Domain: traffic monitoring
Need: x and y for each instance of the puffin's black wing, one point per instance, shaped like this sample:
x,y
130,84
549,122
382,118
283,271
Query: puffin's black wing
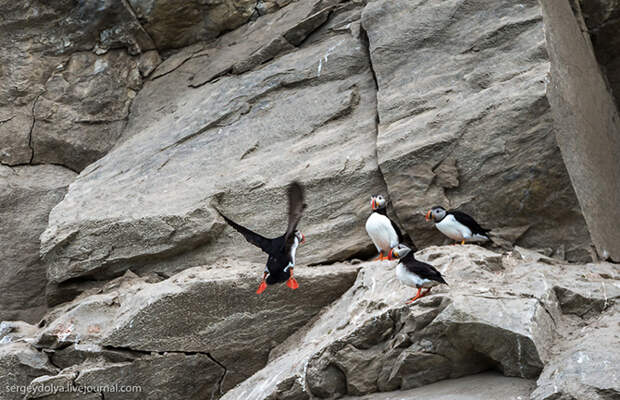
x,y
422,269
402,238
257,240
296,208
469,222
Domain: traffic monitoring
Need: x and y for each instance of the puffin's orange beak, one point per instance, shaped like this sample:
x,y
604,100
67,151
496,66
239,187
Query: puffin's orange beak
x,y
373,204
303,238
428,215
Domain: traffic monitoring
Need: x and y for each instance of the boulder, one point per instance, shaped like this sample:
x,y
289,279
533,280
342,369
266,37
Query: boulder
x,y
499,313
27,194
587,367
149,204
211,311
465,120
588,124
20,363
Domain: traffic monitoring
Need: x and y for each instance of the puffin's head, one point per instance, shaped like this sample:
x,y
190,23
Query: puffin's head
x,y
300,237
377,202
400,251
436,214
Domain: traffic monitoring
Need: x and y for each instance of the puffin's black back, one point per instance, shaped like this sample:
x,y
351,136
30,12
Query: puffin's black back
x,y
421,269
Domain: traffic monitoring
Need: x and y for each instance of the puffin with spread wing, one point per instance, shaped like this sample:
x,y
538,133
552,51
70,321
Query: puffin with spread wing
x,y
281,250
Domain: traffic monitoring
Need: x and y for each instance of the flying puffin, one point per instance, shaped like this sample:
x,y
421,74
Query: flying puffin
x,y
281,250
381,229
415,273
457,225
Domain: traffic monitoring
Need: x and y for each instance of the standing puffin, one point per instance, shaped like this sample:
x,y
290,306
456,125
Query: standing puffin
x,y
457,225
415,273
381,229
281,250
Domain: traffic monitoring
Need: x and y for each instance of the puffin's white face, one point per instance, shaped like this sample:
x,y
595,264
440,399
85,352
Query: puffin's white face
x,y
436,214
300,237
400,251
377,202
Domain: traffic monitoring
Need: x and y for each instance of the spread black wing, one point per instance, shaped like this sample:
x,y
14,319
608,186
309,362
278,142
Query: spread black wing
x,y
296,208
422,269
265,244
469,222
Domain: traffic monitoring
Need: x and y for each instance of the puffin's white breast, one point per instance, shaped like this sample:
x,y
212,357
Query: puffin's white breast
x,y
381,232
452,228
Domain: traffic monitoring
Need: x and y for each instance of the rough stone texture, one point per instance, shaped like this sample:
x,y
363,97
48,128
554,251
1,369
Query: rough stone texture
x,y
84,107
27,194
500,312
486,386
465,120
20,363
209,310
234,143
588,125
602,18
178,23
45,75
588,368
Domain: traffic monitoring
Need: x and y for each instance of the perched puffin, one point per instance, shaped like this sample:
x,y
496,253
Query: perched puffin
x,y
457,225
281,250
381,229
415,273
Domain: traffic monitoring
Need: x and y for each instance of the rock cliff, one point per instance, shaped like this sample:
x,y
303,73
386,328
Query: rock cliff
x,y
124,125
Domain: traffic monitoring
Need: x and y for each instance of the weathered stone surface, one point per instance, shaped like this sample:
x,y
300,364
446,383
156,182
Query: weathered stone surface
x,y
169,376
39,40
27,194
465,120
203,309
20,363
588,125
83,109
499,312
178,23
588,367
602,18
485,386
234,143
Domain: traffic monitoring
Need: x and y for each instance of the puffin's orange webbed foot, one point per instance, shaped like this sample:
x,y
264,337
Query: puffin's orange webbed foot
x,y
417,296
463,242
292,283
262,287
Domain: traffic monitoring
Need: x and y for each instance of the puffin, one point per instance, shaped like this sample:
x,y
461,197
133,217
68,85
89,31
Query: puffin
x,y
415,273
457,225
383,232
281,250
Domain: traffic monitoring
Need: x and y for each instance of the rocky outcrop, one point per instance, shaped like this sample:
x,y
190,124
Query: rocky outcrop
x,y
57,104
20,363
27,194
588,125
207,319
587,366
476,133
238,125
499,312
234,121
